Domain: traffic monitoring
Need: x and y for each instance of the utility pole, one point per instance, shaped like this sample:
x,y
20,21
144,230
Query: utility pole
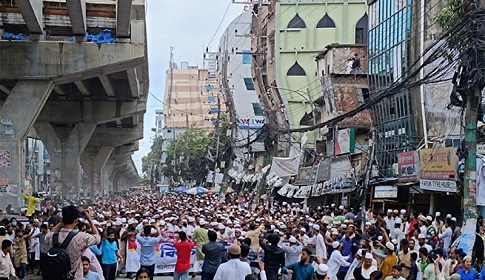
x,y
218,139
186,139
368,173
174,150
473,101
314,113
259,78
229,98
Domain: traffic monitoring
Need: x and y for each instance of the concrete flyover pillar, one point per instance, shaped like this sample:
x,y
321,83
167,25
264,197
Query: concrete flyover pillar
x,y
65,146
116,177
17,115
105,177
93,160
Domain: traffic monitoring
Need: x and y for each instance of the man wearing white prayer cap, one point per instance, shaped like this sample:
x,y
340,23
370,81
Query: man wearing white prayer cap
x,y
336,260
367,266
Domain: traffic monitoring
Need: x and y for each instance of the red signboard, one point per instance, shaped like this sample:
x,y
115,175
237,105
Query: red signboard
x,y
408,166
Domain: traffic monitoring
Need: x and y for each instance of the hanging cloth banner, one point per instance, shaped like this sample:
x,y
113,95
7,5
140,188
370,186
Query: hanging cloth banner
x,y
285,167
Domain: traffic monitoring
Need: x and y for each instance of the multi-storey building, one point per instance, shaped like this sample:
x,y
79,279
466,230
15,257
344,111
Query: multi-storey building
x,y
303,29
415,118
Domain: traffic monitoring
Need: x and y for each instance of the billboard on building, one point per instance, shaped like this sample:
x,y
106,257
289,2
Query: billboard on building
x,y
408,166
306,175
324,171
345,141
438,164
385,192
251,123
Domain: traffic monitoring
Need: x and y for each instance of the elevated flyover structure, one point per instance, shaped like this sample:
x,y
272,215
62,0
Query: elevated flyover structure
x,y
85,100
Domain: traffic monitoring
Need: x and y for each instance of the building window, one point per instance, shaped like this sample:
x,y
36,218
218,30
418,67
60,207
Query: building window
x,y
246,57
249,83
211,99
326,22
363,95
296,22
296,70
257,110
361,30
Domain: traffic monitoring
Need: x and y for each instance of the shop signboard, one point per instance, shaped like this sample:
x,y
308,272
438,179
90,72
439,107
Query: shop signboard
x,y
385,192
438,164
408,166
306,175
438,185
324,171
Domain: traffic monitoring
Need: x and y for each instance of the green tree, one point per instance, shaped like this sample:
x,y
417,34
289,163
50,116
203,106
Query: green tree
x,y
153,159
221,144
189,151
451,14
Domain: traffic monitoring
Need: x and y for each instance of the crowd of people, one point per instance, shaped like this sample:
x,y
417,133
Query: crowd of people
x,y
235,238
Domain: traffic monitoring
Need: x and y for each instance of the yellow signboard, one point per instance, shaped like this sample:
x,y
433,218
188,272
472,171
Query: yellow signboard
x,y
438,164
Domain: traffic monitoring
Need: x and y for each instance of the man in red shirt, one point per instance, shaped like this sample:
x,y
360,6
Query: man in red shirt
x,y
184,249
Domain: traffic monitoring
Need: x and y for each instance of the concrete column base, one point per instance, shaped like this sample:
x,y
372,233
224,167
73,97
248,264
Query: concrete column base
x,y
93,160
65,145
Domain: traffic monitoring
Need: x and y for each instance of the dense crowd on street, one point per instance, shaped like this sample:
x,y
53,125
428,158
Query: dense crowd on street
x,y
234,238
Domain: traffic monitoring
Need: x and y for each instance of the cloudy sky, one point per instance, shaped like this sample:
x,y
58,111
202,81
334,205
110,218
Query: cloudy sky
x,y
188,26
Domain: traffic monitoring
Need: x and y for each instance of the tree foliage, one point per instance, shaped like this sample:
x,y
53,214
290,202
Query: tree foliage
x,y
195,152
188,150
451,14
152,160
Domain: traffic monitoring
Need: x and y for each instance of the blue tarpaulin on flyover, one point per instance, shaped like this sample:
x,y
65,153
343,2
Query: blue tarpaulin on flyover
x,y
102,37
11,36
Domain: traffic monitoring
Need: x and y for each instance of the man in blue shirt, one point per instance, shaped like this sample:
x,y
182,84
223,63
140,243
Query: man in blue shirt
x,y
147,248
467,272
110,255
347,242
87,273
301,270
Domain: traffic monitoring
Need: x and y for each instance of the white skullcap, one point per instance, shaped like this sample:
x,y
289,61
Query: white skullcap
x,y
359,252
438,214
421,236
390,246
335,244
293,239
322,269
369,256
316,227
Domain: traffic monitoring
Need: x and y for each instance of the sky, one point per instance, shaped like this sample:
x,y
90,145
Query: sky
x,y
188,26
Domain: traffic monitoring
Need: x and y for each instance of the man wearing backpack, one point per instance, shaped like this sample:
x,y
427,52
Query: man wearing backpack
x,y
76,245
